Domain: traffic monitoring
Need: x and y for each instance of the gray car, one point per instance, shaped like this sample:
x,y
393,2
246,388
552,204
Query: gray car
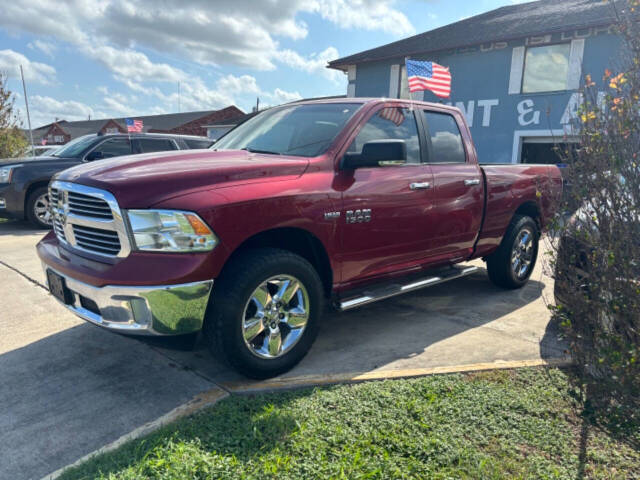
x,y
23,181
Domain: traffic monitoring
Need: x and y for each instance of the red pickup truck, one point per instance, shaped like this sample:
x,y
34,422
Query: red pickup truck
x,y
348,201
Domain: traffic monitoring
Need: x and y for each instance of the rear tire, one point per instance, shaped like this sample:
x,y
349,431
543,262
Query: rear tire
x,y
512,264
264,312
38,212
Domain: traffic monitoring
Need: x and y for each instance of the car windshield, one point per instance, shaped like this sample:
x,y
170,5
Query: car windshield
x,y
75,147
301,130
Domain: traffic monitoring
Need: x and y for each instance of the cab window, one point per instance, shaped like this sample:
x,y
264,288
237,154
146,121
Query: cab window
x,y
390,123
446,140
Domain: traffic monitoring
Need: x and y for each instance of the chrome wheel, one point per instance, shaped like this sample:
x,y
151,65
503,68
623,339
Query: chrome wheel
x,y
41,209
275,316
522,253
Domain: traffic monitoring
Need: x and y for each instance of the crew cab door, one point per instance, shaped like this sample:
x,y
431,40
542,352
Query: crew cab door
x,y
386,210
458,185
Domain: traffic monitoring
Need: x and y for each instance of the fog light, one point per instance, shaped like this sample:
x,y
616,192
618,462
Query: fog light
x,y
3,204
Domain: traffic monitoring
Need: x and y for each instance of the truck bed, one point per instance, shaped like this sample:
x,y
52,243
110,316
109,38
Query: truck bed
x,y
507,187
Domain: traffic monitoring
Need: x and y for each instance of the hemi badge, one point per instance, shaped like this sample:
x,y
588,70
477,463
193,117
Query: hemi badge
x,y
331,215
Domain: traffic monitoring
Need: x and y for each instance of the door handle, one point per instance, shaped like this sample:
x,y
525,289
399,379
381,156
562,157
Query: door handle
x,y
420,186
470,183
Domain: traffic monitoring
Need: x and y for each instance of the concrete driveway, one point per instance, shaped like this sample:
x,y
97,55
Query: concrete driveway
x,y
69,388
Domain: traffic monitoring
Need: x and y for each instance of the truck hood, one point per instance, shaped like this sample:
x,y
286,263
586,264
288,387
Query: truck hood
x,y
140,181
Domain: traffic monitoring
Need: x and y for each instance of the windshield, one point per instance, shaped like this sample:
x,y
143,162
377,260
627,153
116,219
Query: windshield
x,y
301,130
75,147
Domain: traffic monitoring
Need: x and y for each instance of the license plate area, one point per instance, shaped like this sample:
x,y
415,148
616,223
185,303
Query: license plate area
x,y
59,289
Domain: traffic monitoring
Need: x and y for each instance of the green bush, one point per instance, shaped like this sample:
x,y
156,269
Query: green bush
x,y
597,256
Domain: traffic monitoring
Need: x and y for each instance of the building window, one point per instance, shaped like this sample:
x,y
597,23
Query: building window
x,y
111,130
58,139
546,69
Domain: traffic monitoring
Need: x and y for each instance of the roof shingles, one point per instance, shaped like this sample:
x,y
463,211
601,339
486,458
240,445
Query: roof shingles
x,y
505,23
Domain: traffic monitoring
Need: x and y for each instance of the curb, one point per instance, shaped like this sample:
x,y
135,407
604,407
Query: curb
x,y
241,387
200,401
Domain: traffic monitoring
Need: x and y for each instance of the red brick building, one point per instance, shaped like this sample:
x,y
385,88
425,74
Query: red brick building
x,y
186,123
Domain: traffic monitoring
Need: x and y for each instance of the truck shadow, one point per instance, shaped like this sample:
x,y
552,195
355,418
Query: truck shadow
x,y
462,322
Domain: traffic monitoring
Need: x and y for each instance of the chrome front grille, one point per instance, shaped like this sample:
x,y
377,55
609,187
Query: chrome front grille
x,y
88,219
89,206
57,224
97,239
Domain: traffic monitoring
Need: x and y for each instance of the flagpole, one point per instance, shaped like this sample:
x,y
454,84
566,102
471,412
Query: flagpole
x,y
406,72
26,103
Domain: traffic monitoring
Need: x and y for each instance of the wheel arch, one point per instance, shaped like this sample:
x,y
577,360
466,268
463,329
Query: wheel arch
x,y
532,210
296,240
30,189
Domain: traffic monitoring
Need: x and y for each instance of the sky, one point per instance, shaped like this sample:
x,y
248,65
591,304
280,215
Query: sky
x,y
114,58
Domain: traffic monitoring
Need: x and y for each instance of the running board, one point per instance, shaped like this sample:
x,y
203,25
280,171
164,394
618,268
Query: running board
x,y
391,290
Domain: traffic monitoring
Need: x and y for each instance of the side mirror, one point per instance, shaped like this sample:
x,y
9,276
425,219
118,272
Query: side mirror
x,y
95,155
377,153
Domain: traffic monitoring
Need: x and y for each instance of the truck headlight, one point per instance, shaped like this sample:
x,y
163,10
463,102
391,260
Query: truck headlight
x,y
170,231
5,174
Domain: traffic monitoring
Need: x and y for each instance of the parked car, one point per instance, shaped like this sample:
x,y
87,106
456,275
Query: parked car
x,y
349,201
578,262
23,181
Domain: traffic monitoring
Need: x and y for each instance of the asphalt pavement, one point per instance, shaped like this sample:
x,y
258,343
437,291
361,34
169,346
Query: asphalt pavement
x,y
69,388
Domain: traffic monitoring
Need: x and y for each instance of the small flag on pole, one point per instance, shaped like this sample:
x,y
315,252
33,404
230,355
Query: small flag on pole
x,y
43,141
429,76
133,125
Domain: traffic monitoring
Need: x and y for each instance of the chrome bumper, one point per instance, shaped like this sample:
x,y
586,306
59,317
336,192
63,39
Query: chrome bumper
x,y
161,310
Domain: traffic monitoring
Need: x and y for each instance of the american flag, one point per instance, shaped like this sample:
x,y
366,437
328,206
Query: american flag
x,y
429,76
133,125
393,114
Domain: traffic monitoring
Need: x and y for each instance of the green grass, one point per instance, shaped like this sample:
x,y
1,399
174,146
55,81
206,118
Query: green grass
x,y
502,424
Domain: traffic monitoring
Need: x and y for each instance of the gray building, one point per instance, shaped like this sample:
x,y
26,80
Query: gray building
x,y
516,72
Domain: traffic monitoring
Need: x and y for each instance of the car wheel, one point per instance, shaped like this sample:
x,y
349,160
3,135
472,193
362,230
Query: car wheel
x,y
512,264
264,312
38,211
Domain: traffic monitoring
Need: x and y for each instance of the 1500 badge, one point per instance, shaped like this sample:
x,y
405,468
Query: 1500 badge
x,y
359,216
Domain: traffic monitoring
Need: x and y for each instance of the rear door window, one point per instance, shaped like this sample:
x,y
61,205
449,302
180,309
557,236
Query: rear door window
x,y
446,140
148,145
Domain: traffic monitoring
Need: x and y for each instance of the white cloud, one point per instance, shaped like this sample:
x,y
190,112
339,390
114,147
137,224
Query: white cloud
x,y
224,32
132,65
117,106
45,110
37,72
364,14
315,63
45,47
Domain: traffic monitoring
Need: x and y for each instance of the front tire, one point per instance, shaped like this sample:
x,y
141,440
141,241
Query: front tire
x,y
38,212
264,312
512,264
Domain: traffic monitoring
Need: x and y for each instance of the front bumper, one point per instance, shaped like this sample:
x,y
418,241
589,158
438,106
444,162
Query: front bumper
x,y
149,310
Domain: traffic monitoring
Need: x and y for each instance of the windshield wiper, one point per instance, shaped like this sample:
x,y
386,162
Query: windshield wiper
x,y
255,150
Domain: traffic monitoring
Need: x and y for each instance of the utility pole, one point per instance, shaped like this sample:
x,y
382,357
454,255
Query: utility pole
x,y
26,103
257,104
179,94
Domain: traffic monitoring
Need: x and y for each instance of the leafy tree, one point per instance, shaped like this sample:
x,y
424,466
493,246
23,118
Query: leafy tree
x,y
597,254
12,141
